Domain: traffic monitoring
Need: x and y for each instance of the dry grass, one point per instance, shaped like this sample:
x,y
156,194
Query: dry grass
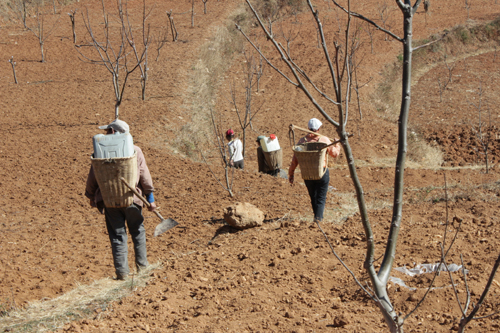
x,y
81,302
206,76
488,192
342,205
422,153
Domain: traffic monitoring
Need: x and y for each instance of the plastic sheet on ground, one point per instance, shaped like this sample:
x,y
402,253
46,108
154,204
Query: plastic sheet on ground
x,y
423,269
428,268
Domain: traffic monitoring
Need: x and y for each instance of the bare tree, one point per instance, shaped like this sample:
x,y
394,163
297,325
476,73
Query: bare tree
x,y
192,14
38,29
72,18
113,50
21,9
140,57
289,35
246,115
258,69
175,35
370,29
355,64
341,77
449,78
204,6
427,9
483,130
54,6
223,153
13,64
384,13
466,319
467,7
160,39
464,308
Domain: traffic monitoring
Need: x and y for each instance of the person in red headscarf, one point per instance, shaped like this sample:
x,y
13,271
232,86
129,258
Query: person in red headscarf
x,y
235,150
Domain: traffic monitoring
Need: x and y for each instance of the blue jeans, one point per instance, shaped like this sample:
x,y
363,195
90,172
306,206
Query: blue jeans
x,y
317,191
117,230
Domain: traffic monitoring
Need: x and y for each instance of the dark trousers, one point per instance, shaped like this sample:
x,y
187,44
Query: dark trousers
x,y
117,221
274,172
317,191
239,164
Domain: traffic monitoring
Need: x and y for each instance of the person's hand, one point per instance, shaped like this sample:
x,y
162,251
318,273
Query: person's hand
x,y
290,179
91,202
152,207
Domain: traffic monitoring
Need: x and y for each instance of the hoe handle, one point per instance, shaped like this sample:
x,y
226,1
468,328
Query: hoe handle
x,y
140,197
292,127
306,130
135,192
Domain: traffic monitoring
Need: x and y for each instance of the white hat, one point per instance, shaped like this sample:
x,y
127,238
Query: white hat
x,y
118,125
314,124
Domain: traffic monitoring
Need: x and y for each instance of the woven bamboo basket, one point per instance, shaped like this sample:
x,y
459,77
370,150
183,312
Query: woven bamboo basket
x,y
274,159
311,156
108,172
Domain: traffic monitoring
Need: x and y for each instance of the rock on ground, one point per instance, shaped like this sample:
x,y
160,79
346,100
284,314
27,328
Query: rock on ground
x,y
243,215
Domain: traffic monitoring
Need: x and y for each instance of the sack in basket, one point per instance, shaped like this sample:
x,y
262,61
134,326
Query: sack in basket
x,y
311,156
108,172
274,159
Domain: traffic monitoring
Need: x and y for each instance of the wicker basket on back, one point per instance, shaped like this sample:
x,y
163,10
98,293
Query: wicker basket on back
x,y
274,159
311,156
108,172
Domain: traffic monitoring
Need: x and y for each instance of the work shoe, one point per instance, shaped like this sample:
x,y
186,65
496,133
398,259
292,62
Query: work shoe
x,y
121,277
140,268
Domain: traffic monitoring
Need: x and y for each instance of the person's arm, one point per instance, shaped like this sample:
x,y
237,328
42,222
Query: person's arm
x,y
291,169
334,150
145,180
91,187
232,151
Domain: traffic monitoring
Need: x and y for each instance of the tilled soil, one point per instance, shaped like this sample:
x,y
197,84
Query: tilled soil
x,y
281,277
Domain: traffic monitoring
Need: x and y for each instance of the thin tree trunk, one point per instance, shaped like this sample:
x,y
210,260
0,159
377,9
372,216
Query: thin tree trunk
x,y
192,14
41,50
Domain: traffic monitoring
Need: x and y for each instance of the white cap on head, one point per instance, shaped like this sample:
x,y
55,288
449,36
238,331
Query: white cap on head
x,y
314,124
118,125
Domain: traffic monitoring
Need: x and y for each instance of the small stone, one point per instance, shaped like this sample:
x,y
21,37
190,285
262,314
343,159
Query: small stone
x,y
340,321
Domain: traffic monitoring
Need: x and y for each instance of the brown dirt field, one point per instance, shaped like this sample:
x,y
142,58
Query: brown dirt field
x,y
281,277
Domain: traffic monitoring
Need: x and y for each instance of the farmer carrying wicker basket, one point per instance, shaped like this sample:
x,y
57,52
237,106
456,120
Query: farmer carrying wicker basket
x,y
120,208
314,166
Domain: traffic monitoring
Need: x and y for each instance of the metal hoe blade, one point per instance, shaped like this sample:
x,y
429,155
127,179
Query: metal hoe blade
x,y
164,226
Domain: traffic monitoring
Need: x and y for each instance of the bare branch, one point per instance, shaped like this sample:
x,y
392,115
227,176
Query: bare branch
x,y
370,21
267,61
13,64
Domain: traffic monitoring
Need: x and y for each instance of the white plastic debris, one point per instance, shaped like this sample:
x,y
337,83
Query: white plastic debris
x,y
429,268
423,269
